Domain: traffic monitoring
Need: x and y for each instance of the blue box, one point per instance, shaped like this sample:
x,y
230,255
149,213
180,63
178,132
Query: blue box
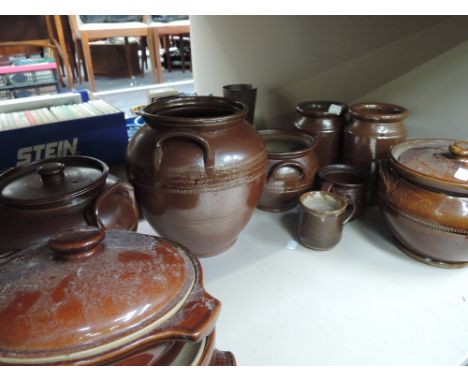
x,y
103,137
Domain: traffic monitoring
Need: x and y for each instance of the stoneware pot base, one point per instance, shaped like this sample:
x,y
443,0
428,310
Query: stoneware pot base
x,y
427,260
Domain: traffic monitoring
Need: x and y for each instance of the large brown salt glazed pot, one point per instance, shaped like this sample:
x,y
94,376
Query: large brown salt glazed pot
x,y
198,168
424,199
325,121
95,297
39,199
292,165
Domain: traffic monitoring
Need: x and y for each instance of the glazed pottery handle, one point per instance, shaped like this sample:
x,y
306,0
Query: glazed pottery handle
x,y
350,211
222,358
274,169
116,208
327,186
208,153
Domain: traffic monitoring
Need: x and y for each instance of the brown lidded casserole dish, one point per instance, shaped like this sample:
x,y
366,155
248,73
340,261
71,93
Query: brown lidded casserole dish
x,y
424,200
95,297
39,199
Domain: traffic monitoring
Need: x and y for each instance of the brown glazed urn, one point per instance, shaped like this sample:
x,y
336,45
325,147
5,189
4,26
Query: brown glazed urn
x,y
292,165
198,168
325,121
95,297
42,198
424,199
372,130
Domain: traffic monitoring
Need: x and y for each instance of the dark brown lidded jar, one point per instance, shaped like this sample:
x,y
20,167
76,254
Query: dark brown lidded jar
x,y
325,121
424,198
198,168
39,199
95,297
292,165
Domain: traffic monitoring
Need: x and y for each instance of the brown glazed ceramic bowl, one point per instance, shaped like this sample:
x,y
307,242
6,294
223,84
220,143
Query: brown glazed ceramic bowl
x,y
292,165
325,121
42,198
424,199
95,297
198,168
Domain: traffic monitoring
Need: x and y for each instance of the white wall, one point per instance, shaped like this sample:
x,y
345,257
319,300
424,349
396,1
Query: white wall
x,y
295,58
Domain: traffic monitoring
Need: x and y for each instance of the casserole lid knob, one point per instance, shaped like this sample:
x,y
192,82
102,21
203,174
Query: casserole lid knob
x,y
79,242
459,149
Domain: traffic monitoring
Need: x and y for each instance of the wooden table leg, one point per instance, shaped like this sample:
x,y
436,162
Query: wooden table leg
x,y
88,60
157,51
63,47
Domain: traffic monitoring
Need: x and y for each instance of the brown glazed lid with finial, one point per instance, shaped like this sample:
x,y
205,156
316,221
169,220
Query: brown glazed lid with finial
x,y
439,164
92,297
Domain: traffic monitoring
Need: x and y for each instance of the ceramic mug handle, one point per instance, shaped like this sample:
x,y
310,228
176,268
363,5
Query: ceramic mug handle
x,y
208,154
352,206
327,186
274,169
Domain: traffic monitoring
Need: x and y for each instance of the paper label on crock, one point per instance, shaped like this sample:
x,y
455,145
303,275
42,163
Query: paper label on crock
x,y
335,109
462,174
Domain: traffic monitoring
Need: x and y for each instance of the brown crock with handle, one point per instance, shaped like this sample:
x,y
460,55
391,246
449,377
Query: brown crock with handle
x,y
292,165
95,297
39,199
424,198
198,168
325,121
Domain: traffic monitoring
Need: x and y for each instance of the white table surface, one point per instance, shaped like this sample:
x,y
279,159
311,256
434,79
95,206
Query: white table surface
x,y
361,303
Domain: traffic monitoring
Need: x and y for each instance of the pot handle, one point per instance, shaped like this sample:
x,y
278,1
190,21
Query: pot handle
x,y
327,186
351,213
208,153
116,208
274,169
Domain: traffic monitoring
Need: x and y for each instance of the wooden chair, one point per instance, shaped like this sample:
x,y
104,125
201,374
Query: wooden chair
x,y
160,31
20,33
94,31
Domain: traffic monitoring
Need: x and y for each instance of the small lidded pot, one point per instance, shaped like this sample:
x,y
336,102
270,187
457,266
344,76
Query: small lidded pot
x,y
424,198
291,168
95,297
42,198
324,120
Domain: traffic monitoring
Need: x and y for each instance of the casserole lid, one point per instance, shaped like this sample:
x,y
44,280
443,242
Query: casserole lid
x,y
88,292
51,180
440,164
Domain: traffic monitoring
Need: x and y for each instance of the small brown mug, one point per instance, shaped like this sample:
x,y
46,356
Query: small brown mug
x,y
322,217
348,181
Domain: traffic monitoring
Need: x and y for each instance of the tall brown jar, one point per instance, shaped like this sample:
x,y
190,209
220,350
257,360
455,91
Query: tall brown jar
x,y
372,130
198,169
325,121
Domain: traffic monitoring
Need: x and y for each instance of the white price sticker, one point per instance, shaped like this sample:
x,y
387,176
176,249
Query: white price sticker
x,y
462,174
335,109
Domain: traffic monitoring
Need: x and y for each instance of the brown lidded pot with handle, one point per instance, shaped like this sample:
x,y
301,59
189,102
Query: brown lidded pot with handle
x,y
39,199
424,198
325,121
291,169
95,297
198,168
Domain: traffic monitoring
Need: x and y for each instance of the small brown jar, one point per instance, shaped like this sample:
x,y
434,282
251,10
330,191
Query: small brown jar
x,y
325,121
372,130
292,165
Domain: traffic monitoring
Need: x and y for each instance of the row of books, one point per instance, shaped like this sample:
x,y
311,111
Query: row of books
x,y
46,115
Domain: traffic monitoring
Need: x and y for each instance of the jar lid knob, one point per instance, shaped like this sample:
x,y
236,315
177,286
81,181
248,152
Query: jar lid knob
x,y
459,149
77,243
52,173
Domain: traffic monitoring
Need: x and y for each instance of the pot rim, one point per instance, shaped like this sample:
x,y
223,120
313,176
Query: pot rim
x,y
234,111
64,199
335,212
421,179
341,167
378,111
306,108
294,135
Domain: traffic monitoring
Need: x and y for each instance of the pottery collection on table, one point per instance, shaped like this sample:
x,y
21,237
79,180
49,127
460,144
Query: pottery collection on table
x,y
197,170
